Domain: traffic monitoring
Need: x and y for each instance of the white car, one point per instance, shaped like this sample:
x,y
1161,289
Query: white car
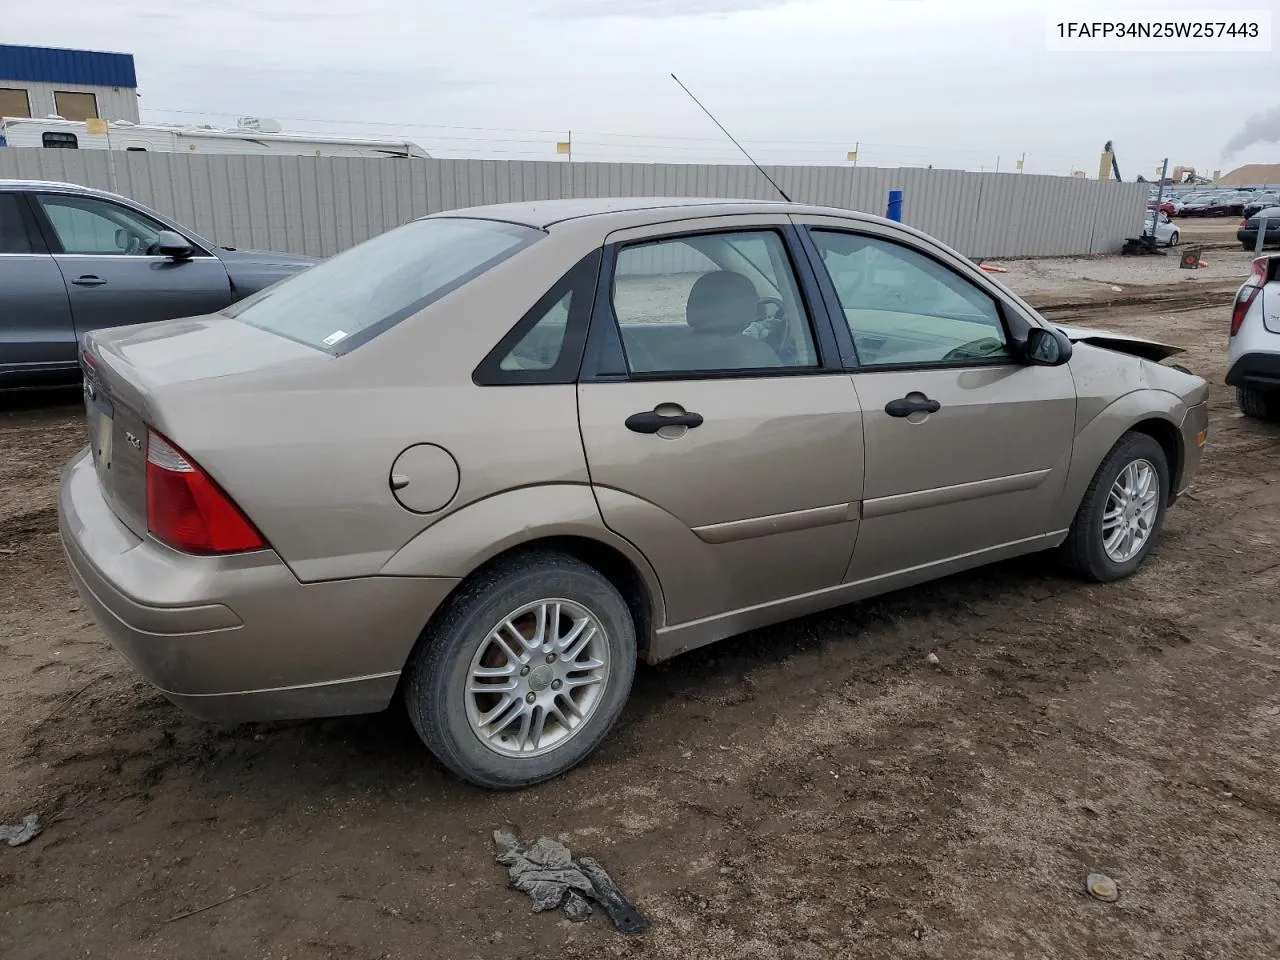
x,y
1166,229
1253,350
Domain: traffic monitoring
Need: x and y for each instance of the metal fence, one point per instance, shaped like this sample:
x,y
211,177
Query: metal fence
x,y
321,205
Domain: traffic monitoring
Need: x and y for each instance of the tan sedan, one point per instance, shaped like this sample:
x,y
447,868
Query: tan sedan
x,y
487,460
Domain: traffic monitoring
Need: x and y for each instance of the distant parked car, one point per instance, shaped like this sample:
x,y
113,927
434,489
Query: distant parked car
x,y
1194,206
1166,230
87,259
1253,350
1230,205
1260,202
1248,232
1167,207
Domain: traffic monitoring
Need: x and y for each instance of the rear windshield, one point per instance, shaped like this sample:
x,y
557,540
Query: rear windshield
x,y
352,297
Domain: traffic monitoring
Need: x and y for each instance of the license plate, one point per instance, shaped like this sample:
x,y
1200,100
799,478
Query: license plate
x,y
102,439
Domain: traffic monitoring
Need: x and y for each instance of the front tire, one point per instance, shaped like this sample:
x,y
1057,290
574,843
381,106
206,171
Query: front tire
x,y
1258,404
524,673
1122,513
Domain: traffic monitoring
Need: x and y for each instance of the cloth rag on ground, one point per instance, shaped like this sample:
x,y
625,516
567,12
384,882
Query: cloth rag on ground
x,y
547,873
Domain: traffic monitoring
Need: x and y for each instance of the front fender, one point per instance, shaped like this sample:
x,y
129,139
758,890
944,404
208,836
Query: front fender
x,y
471,536
1097,436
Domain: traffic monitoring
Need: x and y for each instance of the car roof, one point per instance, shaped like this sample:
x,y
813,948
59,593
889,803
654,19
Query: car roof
x,y
544,214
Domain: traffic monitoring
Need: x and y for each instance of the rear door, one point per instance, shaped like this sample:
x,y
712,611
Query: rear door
x,y
102,246
722,437
36,332
967,448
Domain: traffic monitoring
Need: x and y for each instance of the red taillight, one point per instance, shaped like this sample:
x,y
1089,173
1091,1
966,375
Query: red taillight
x,y
1248,293
187,510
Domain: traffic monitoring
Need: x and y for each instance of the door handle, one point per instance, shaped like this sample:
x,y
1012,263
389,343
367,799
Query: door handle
x,y
88,280
907,406
650,421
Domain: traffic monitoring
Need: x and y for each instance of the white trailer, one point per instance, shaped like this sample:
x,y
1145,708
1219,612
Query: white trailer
x,y
252,136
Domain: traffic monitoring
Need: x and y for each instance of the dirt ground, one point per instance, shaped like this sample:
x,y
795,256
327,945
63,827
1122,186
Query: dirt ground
x,y
812,790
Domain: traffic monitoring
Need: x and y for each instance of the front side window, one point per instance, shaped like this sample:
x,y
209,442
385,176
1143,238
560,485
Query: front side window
x,y
92,226
714,302
903,307
354,296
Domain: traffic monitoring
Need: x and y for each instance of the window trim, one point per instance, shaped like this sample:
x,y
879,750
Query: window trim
x,y
605,359
1014,335
582,281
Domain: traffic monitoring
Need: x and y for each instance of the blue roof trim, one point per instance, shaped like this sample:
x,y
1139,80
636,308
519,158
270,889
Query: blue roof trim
x,y
55,65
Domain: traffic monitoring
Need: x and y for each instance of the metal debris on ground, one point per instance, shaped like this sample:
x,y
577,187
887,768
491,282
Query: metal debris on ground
x,y
16,834
546,871
1101,887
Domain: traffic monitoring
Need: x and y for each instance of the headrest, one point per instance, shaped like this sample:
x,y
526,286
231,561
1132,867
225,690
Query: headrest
x,y
722,302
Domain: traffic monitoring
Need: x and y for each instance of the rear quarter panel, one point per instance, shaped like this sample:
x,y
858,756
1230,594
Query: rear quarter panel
x,y
307,451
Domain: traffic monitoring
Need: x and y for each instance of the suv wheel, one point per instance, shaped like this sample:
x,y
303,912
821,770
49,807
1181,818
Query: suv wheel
x,y
1258,403
1122,512
525,672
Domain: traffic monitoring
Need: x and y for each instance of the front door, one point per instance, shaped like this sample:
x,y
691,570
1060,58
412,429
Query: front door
x,y
111,277
721,435
967,447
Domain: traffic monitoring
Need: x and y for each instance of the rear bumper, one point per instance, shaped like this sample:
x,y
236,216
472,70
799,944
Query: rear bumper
x,y
1260,371
239,638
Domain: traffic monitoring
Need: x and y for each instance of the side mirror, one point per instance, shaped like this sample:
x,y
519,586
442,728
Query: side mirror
x,y
174,245
1047,347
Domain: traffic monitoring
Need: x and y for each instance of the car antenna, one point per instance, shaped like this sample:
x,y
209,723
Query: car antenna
x,y
773,182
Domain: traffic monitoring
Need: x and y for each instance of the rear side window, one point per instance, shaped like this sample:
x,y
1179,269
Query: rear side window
x,y
13,233
546,344
352,297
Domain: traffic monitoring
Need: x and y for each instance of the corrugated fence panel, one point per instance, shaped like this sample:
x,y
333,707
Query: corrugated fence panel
x,y
321,205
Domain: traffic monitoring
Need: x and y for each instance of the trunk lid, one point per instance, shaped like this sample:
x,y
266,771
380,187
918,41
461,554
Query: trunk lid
x,y
130,372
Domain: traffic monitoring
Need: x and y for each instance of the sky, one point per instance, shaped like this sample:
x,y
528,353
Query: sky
x,y
966,84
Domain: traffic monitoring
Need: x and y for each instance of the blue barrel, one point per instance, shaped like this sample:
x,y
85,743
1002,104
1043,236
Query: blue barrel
x,y
895,205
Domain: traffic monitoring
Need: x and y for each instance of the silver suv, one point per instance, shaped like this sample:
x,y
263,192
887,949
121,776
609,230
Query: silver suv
x,y
75,259
1253,351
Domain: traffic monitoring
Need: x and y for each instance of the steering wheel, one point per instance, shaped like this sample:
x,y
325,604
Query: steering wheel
x,y
976,349
775,326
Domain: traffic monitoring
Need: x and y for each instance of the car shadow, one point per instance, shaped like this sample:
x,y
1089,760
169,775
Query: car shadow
x,y
380,754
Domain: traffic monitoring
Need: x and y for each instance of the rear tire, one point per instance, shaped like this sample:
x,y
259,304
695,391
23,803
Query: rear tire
x,y
1258,404
1173,240
551,707
1088,552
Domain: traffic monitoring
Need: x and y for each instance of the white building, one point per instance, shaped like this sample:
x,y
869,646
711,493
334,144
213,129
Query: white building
x,y
73,84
